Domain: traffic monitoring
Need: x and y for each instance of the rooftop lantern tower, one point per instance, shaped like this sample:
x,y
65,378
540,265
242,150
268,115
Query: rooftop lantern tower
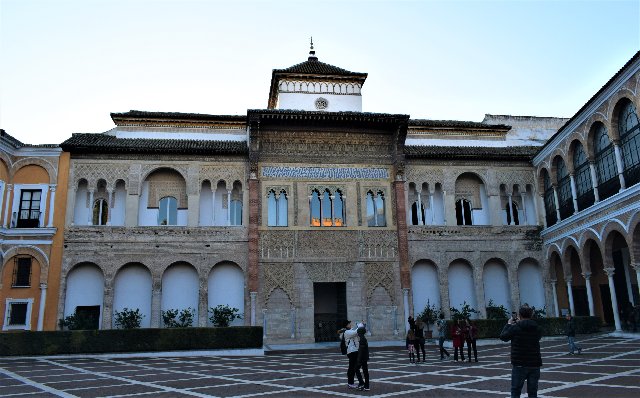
x,y
316,86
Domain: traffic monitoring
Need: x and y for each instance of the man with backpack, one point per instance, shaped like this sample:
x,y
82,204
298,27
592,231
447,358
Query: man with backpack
x,y
350,337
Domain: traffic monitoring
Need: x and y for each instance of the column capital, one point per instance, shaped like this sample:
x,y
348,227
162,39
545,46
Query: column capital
x,y
43,286
553,281
405,291
610,272
253,294
586,275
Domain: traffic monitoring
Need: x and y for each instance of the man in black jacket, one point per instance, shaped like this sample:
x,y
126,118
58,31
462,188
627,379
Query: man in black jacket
x,y
525,335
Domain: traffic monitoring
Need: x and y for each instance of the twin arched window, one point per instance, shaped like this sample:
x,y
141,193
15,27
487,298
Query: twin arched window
x,y
606,169
277,209
326,209
375,209
463,212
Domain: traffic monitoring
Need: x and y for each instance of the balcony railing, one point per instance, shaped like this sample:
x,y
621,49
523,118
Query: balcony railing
x,y
28,219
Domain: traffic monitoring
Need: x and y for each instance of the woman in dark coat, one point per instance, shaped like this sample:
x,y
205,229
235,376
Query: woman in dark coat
x,y
458,340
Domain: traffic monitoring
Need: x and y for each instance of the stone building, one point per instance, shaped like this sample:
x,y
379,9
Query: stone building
x,y
31,233
312,211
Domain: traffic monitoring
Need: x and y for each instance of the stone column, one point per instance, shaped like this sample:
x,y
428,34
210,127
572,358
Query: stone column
x,y
228,207
420,213
203,304
293,322
110,203
574,193
555,297
254,296
2,197
405,303
614,299
107,309
524,209
333,210
557,203
156,305
90,218
264,323
619,164
570,294
587,281
594,181
431,208
43,300
7,210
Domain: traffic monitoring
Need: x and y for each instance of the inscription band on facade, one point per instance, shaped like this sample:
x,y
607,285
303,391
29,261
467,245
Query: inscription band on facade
x,y
324,172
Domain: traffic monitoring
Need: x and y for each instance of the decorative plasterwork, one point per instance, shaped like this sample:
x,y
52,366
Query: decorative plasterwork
x,y
379,274
328,272
278,276
226,173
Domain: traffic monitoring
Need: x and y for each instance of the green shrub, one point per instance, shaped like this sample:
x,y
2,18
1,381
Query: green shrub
x,y
463,313
223,315
128,319
77,321
128,340
496,311
178,318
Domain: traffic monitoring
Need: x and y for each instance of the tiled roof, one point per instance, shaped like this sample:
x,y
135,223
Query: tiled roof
x,y
468,152
315,67
177,115
103,143
11,140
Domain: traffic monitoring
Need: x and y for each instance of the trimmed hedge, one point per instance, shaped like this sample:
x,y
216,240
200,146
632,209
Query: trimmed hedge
x,y
491,328
129,340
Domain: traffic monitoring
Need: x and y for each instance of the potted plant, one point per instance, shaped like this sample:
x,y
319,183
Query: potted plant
x,y
429,315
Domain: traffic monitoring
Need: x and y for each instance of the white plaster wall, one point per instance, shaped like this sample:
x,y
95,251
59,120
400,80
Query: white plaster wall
x,y
530,284
81,211
221,215
206,206
132,289
85,287
180,289
119,206
482,216
425,286
306,102
461,287
438,207
496,285
226,286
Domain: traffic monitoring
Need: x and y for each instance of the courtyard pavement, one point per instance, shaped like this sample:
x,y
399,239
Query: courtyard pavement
x,y
608,367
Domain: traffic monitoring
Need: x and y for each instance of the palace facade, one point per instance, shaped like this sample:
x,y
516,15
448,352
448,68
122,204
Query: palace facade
x,y
312,211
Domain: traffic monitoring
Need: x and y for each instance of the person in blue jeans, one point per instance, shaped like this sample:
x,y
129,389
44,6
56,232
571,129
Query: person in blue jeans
x,y
570,331
524,334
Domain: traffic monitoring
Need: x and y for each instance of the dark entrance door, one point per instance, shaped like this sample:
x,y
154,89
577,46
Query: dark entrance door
x,y
330,309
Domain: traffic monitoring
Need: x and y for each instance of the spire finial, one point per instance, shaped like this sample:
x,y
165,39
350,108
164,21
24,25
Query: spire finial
x,y
312,52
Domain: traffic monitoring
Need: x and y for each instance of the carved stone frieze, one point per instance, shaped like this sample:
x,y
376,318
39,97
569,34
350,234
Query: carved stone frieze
x,y
420,175
378,244
328,272
226,173
325,243
278,276
277,244
93,172
380,274
515,177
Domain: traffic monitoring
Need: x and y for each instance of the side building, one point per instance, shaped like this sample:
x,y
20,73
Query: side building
x,y
31,233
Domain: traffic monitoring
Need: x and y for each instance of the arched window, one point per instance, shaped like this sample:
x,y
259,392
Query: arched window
x,y
168,211
512,213
549,202
375,209
277,209
584,187
565,201
463,212
606,169
100,212
629,129
314,205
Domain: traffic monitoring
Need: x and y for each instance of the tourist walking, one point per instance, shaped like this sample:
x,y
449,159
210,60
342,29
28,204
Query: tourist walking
x,y
411,345
458,340
472,336
419,342
441,324
351,340
363,359
570,331
525,335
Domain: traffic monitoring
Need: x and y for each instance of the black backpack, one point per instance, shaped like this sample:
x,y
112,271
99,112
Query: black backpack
x,y
343,345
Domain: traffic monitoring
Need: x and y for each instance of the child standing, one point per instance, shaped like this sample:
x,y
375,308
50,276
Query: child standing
x,y
411,345
363,359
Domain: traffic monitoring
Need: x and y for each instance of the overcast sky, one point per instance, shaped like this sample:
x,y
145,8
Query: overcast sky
x,y
65,65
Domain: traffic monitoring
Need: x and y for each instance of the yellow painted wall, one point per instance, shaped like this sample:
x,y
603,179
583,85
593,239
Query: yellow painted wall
x,y
31,174
4,171
55,259
21,292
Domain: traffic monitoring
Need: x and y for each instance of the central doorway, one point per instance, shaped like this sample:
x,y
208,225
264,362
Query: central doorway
x,y
330,309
